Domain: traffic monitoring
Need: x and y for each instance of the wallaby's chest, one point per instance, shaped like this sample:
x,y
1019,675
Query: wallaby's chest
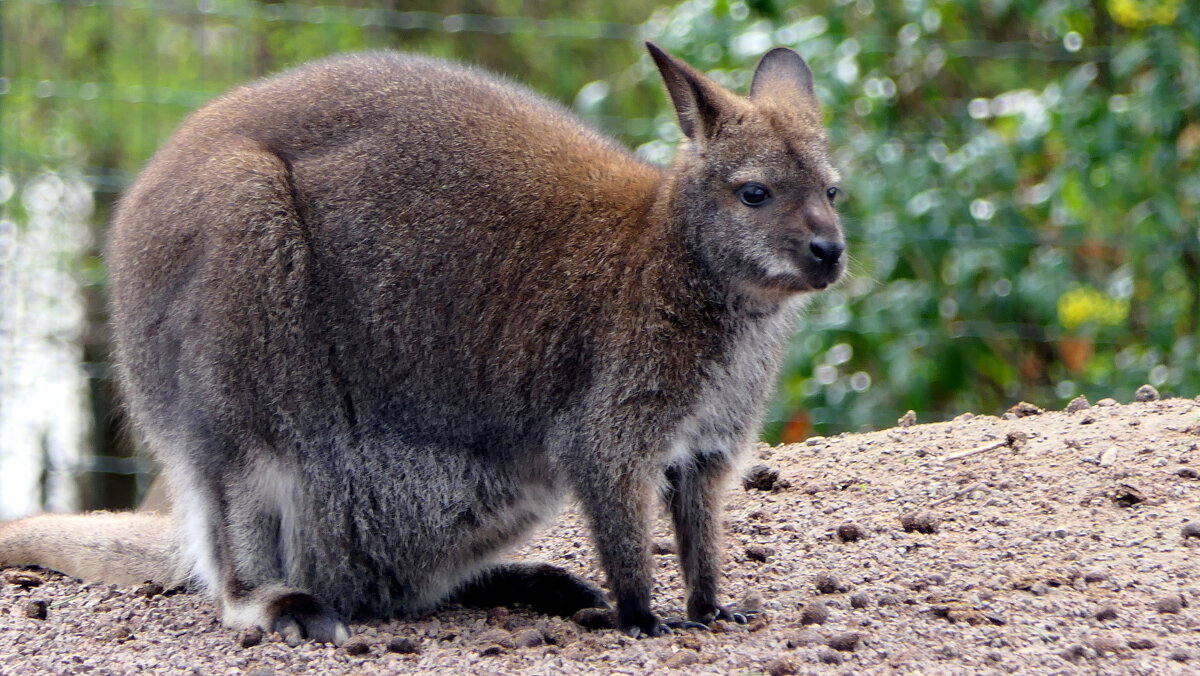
x,y
727,408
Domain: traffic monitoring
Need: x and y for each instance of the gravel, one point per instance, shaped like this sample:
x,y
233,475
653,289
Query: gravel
x,y
1018,559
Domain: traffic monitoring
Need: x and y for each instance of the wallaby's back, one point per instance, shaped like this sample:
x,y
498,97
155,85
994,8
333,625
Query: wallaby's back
x,y
400,170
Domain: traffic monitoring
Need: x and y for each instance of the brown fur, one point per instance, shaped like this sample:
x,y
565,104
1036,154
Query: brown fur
x,y
377,314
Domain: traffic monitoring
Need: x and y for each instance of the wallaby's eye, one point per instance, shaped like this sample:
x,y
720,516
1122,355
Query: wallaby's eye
x,y
832,192
754,195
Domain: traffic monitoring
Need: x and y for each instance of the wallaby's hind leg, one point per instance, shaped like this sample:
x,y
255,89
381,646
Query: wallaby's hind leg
x,y
239,533
258,539
693,491
247,533
546,589
199,350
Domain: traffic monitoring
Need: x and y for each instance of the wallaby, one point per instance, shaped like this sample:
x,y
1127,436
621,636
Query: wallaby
x,y
377,315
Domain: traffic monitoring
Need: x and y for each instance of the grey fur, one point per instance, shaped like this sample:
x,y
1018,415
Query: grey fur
x,y
377,315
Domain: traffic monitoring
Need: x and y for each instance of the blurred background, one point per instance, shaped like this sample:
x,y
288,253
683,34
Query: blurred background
x,y
1021,186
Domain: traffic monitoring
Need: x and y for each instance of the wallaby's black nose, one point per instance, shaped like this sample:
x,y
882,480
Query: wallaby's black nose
x,y
827,251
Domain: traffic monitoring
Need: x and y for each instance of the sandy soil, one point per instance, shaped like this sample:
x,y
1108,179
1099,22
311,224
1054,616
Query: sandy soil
x,y
1070,545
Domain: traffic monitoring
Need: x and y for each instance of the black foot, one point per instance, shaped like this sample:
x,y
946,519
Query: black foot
x,y
642,624
299,616
728,614
546,589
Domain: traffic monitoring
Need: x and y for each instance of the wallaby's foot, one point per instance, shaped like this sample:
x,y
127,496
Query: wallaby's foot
x,y
546,589
712,612
301,616
642,624
295,615
648,625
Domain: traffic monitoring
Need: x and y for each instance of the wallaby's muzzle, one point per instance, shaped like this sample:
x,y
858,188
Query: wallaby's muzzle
x,y
824,264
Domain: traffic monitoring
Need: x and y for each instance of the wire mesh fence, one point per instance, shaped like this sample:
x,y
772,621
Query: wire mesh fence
x,y
1022,186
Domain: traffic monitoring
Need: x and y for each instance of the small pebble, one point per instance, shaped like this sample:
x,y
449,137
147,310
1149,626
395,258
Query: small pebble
x,y
814,612
802,639
1179,656
1077,404
1146,393
403,646
250,637
907,420
260,670
1141,643
759,553
689,640
663,547
1073,652
849,532
1187,473
780,666
920,522
119,633
1127,496
1170,604
1191,529
356,646
828,584
1106,645
1095,575
860,600
491,651
1109,457
1024,409
814,441
149,589
1106,402
1106,613
681,659
846,642
762,478
528,638
751,602
828,656
36,610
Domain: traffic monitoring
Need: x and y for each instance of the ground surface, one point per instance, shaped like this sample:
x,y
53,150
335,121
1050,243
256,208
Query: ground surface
x,y
1063,549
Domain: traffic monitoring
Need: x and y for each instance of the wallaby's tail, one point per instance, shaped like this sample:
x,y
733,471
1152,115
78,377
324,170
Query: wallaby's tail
x,y
111,547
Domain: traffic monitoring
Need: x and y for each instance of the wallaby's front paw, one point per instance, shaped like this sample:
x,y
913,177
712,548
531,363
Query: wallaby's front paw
x,y
712,613
642,624
299,616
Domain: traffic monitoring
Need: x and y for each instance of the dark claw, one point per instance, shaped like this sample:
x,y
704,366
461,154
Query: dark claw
x,y
686,624
660,629
743,616
728,615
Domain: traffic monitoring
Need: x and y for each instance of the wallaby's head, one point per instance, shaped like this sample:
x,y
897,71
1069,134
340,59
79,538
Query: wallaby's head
x,y
753,183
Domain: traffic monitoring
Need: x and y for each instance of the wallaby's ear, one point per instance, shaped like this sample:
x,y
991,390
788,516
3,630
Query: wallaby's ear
x,y
782,74
698,100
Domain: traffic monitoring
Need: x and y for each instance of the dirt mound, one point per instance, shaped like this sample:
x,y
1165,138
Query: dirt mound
x,y
1041,542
